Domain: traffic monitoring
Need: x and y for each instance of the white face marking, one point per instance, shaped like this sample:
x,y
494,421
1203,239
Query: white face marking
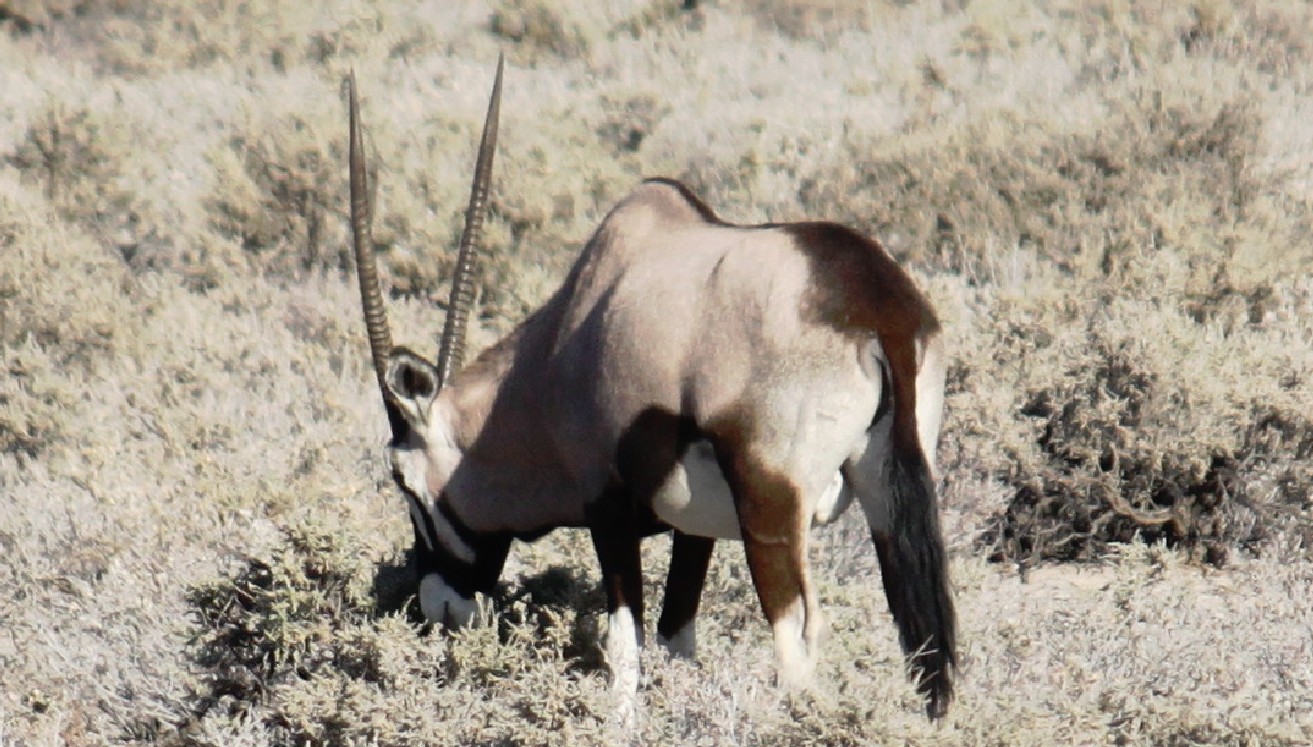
x,y
417,516
443,606
684,643
412,466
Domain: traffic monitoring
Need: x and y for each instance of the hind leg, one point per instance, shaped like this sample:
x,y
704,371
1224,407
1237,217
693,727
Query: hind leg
x,y
774,527
689,558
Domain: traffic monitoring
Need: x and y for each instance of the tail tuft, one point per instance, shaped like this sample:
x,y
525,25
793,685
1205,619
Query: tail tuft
x,y
915,570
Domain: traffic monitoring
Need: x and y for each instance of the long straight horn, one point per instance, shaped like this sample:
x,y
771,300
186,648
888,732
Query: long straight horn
x,y
451,351
371,298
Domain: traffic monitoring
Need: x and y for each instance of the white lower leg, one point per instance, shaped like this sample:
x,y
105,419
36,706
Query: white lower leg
x,y
623,642
684,643
796,658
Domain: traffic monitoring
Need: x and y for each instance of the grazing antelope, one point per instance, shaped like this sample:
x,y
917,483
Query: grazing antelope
x,y
690,375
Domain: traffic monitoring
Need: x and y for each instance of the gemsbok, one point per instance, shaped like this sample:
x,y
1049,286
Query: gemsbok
x,y
714,380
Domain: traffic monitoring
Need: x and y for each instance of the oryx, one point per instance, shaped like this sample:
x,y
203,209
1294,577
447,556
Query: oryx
x,y
690,375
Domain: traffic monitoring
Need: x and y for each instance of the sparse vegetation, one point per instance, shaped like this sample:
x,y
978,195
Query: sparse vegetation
x,y
1108,202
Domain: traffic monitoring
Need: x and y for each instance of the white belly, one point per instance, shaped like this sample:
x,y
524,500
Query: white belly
x,y
695,498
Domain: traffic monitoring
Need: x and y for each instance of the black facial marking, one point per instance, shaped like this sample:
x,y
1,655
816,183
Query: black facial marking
x,y
467,535
417,382
464,577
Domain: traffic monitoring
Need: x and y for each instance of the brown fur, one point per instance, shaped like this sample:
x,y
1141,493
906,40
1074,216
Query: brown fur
x,y
858,289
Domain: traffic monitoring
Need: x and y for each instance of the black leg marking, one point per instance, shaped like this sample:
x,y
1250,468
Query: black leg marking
x,y
690,557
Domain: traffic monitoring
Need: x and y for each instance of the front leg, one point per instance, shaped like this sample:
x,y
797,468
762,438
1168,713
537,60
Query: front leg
x,y
689,558
616,539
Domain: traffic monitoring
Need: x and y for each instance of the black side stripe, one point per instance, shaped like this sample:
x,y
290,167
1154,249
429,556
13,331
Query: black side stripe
x,y
461,575
466,535
426,559
430,531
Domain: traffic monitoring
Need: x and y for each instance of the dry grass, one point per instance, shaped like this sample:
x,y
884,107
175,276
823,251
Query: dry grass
x,y
1108,201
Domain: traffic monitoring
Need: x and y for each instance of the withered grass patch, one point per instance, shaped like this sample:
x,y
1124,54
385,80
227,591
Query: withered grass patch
x,y
1108,203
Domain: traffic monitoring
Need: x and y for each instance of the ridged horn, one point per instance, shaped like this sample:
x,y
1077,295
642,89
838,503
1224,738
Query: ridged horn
x,y
451,351
371,297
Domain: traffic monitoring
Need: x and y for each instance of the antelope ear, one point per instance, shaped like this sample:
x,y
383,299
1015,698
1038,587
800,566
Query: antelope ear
x,y
412,383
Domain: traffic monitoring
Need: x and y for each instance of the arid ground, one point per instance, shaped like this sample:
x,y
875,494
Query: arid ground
x,y
1109,202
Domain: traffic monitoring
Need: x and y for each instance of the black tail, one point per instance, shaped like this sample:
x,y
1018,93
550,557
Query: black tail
x,y
915,569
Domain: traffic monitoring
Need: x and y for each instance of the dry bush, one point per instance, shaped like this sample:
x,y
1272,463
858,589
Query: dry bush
x,y
306,624
574,31
543,28
29,15
279,197
294,647
137,38
1133,433
1136,426
1116,262
294,616
60,312
811,19
78,153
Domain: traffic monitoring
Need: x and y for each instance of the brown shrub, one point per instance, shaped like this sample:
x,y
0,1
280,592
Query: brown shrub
x,y
279,197
76,153
1146,374
539,28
